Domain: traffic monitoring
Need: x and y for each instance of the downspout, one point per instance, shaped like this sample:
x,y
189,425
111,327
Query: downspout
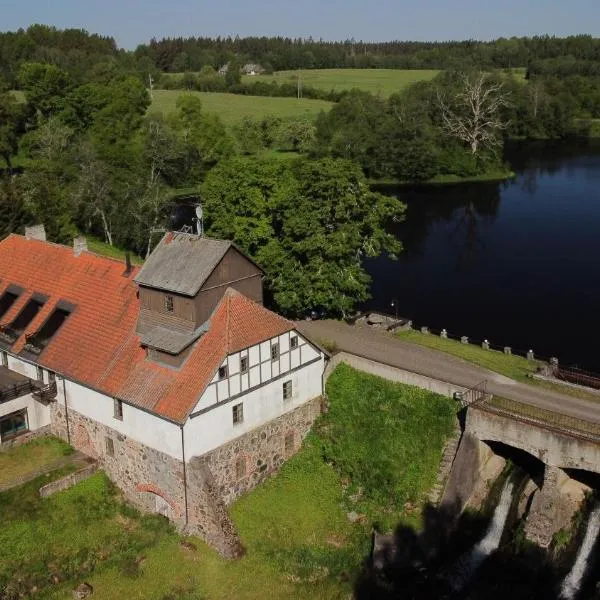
x,y
66,410
185,495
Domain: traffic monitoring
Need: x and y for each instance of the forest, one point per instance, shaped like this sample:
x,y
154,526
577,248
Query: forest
x,y
84,153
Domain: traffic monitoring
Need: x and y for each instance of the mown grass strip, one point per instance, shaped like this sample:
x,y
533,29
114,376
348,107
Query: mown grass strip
x,y
511,365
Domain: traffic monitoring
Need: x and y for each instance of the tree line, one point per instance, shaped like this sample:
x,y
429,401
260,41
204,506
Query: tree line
x,y
84,154
85,157
280,53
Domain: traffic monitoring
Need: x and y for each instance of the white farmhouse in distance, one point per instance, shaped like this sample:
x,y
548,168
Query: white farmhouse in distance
x,y
173,376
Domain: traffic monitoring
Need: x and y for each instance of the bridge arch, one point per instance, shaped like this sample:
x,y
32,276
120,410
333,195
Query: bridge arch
x,y
554,448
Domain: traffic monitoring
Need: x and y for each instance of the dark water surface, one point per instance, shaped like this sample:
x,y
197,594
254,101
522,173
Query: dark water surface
x,y
513,262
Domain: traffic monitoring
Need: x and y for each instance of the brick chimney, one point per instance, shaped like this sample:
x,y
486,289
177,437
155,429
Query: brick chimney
x,y
79,245
35,232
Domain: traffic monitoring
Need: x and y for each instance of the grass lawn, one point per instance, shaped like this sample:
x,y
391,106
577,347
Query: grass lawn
x,y
233,108
99,246
21,460
512,366
376,81
378,448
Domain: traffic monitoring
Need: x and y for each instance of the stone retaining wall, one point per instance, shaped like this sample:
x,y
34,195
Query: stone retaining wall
x,y
392,374
64,483
154,482
151,480
261,451
26,438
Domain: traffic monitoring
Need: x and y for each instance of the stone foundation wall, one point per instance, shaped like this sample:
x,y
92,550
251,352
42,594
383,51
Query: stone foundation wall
x,y
26,438
262,451
151,480
154,482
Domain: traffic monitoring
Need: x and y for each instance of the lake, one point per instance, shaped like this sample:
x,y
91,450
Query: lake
x,y
514,262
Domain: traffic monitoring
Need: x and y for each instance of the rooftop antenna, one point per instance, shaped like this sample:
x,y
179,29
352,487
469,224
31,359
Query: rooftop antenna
x,y
200,220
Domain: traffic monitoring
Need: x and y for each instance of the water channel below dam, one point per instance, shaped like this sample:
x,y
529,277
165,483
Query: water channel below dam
x,y
512,262
486,556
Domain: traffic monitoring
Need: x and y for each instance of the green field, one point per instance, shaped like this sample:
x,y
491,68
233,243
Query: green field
x,y
233,108
376,452
376,81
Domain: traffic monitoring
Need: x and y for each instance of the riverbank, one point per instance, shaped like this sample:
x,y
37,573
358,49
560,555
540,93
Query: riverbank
x,y
492,176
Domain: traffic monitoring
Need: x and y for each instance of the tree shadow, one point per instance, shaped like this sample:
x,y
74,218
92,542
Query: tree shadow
x,y
417,565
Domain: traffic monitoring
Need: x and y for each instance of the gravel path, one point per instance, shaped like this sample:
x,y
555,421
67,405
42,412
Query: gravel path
x,y
383,347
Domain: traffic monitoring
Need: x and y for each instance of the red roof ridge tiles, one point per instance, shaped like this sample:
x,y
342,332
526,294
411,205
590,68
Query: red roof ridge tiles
x,y
97,345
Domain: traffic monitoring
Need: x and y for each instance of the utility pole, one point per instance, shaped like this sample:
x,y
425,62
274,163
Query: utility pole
x,y
151,85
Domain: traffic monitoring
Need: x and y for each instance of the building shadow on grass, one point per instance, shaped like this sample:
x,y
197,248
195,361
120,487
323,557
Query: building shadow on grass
x,y
419,565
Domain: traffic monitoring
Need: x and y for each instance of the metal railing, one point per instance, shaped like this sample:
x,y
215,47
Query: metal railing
x,y
45,393
16,390
541,417
578,377
474,395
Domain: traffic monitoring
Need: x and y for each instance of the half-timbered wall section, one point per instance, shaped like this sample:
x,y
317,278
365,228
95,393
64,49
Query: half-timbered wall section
x,y
255,378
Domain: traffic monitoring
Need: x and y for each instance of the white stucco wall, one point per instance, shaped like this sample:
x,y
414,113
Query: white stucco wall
x,y
260,390
137,424
38,414
262,400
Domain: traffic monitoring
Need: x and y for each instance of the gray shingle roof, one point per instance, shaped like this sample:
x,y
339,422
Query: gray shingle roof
x,y
182,262
172,342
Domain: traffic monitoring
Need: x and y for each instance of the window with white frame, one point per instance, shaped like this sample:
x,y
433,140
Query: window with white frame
x,y
13,425
274,351
287,390
244,364
238,414
118,409
294,342
223,372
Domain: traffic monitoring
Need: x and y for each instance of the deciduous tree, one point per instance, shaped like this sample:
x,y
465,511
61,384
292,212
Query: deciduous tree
x,y
472,112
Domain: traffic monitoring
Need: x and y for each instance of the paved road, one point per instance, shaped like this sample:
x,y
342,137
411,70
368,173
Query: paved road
x,y
385,348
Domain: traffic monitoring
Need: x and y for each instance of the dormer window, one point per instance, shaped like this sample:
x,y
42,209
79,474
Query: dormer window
x,y
169,303
25,317
8,299
39,340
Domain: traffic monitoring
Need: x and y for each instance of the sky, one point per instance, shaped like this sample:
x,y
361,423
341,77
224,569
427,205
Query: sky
x,y
132,22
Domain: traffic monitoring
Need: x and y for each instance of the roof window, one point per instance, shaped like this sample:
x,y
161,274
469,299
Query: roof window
x,y
27,314
39,340
8,298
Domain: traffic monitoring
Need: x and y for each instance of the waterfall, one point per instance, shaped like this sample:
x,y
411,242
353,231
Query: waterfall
x,y
469,562
572,581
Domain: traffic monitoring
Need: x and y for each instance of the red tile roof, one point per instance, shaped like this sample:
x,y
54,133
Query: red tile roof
x,y
98,345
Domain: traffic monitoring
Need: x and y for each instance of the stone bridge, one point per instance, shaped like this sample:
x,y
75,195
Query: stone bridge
x,y
565,448
554,444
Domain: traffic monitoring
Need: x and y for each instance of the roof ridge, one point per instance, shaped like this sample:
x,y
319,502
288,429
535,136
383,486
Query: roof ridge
x,y
65,247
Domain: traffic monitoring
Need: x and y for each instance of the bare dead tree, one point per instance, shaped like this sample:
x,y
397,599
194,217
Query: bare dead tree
x,y
474,113
93,192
